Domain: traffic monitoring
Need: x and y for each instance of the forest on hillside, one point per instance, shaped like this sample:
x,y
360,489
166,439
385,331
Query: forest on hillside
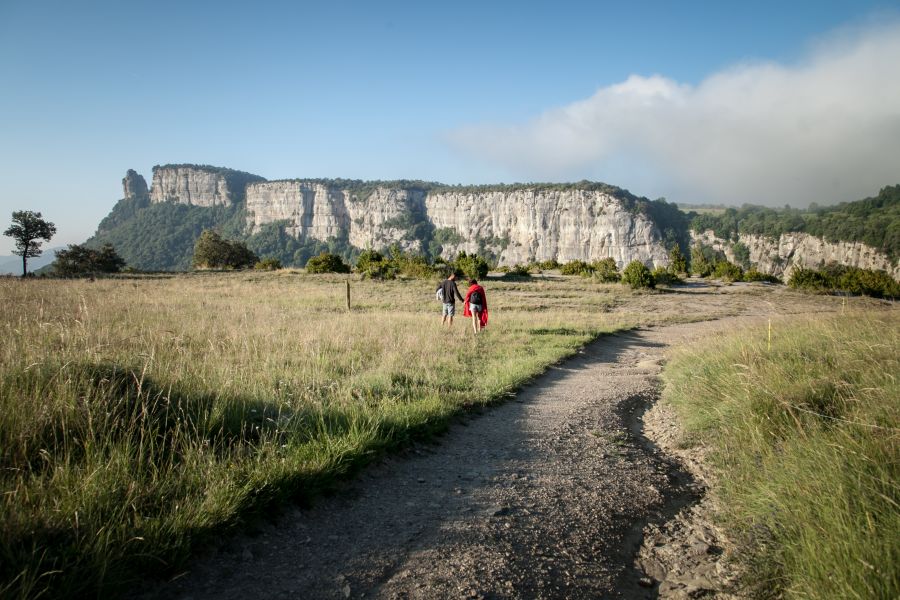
x,y
873,221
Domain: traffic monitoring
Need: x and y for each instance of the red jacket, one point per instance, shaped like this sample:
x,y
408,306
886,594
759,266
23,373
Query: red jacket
x,y
484,306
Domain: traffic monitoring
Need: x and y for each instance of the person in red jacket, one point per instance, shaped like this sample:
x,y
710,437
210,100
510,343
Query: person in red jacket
x,y
475,305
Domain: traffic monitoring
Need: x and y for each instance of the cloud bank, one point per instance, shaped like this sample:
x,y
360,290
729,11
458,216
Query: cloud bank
x,y
824,130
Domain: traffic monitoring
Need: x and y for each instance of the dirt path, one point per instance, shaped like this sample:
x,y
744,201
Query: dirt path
x,y
545,496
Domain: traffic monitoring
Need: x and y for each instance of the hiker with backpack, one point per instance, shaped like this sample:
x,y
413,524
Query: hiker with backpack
x,y
475,305
447,293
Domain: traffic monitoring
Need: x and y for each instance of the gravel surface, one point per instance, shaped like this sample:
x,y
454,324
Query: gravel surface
x,y
547,496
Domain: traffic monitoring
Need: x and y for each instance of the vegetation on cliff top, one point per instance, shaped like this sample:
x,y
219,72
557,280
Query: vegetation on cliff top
x,y
872,221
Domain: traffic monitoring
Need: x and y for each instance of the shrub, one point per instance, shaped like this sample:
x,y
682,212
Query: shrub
x,y
371,264
662,275
867,282
548,265
212,251
81,260
753,275
703,260
327,263
268,264
727,271
576,267
471,265
741,254
841,278
809,279
677,261
606,270
637,275
519,271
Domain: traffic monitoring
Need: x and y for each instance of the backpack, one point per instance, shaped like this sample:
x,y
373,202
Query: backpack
x,y
475,298
439,294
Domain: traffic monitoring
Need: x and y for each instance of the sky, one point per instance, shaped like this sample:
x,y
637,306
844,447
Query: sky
x,y
764,102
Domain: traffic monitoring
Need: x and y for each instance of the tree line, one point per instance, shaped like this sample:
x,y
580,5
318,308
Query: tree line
x,y
872,221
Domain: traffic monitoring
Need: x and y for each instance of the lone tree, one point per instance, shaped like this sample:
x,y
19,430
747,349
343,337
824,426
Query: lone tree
x,y
28,227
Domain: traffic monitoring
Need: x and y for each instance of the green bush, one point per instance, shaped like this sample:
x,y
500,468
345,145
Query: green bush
x,y
371,264
741,254
268,264
703,260
81,260
576,267
677,261
212,251
839,278
727,271
548,265
753,275
662,276
637,275
471,266
518,271
327,263
605,270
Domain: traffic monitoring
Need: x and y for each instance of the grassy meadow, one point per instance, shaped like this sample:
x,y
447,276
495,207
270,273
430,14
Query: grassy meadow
x,y
805,439
138,416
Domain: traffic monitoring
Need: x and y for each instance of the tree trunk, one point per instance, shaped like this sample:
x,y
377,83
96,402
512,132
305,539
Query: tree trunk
x,y
24,264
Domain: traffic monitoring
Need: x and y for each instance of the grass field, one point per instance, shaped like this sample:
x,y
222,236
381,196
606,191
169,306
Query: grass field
x,y
138,416
806,445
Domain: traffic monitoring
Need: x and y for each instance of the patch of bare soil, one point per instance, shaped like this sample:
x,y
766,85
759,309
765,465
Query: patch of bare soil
x,y
551,495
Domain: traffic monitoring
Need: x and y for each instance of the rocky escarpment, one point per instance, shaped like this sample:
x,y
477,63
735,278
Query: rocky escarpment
x,y
199,185
541,224
518,226
317,211
781,256
134,185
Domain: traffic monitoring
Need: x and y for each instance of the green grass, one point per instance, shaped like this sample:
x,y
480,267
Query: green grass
x,y
139,416
805,440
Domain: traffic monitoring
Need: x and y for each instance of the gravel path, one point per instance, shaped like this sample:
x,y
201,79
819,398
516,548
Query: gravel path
x,y
546,496
555,494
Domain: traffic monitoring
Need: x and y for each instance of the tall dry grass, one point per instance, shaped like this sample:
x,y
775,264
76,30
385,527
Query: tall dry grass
x,y
138,416
805,432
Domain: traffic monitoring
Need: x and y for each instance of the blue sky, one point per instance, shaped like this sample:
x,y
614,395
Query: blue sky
x,y
460,92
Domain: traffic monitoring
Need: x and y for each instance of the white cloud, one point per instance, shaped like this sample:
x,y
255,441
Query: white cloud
x,y
824,130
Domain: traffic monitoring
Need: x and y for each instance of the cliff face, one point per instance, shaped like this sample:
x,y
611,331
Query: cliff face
x,y
536,225
310,209
792,250
186,185
518,226
134,185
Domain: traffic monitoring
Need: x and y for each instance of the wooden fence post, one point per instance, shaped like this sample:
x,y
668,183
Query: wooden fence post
x,y
348,295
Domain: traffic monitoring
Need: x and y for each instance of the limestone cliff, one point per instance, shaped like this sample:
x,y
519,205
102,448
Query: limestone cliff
x,y
518,226
199,185
535,224
134,185
782,256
